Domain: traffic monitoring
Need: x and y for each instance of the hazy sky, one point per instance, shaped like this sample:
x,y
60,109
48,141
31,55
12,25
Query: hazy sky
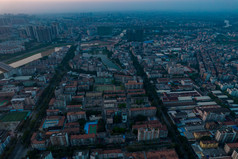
x,y
63,6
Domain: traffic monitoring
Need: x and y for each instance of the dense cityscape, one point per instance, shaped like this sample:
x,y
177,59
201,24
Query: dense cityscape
x,y
127,85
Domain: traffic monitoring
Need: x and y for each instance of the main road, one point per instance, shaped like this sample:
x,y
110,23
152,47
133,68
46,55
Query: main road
x,y
20,149
150,89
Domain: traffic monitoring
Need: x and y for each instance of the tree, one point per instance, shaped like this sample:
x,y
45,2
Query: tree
x,y
118,130
117,119
122,105
33,153
82,121
139,101
101,125
92,112
135,131
140,118
205,138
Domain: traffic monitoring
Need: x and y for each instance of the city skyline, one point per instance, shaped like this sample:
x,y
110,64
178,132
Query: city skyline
x,y
61,6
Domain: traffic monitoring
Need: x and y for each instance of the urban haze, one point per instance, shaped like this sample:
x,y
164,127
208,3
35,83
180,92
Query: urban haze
x,y
118,79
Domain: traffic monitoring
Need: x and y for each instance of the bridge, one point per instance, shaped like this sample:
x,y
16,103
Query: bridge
x,y
5,67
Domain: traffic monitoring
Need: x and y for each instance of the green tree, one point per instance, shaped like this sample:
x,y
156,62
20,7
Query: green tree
x,y
140,118
122,105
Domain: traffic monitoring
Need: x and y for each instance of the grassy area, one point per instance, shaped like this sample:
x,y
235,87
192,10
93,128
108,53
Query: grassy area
x,y
17,57
14,116
3,102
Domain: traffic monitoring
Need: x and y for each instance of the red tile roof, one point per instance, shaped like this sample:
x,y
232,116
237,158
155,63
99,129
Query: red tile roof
x,y
76,113
84,136
145,108
52,110
162,154
35,141
110,151
233,145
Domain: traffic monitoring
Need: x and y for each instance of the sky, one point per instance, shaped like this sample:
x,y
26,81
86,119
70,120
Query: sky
x,y
69,6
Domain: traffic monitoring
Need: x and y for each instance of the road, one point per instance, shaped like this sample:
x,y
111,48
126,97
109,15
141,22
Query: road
x,y
174,134
154,96
19,151
5,67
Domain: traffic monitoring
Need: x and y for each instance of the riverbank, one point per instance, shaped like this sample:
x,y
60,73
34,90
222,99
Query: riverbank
x,y
32,52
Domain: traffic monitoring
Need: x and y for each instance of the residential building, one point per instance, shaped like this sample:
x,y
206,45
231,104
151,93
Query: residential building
x,y
38,141
226,135
59,139
5,139
208,144
107,154
85,139
75,116
81,155
148,134
230,147
235,154
146,111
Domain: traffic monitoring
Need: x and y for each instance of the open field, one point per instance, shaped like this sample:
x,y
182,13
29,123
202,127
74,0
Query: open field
x,y
18,56
13,116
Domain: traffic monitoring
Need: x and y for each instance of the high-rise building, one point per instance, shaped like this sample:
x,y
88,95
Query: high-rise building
x,y
135,34
30,32
55,30
104,30
43,34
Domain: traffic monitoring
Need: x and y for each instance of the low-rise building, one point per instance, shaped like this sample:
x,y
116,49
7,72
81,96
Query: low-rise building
x,y
201,134
107,154
146,111
52,123
81,154
75,116
213,114
230,147
5,139
93,100
85,139
226,135
59,139
148,134
52,112
46,155
235,154
158,154
134,85
208,144
38,142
